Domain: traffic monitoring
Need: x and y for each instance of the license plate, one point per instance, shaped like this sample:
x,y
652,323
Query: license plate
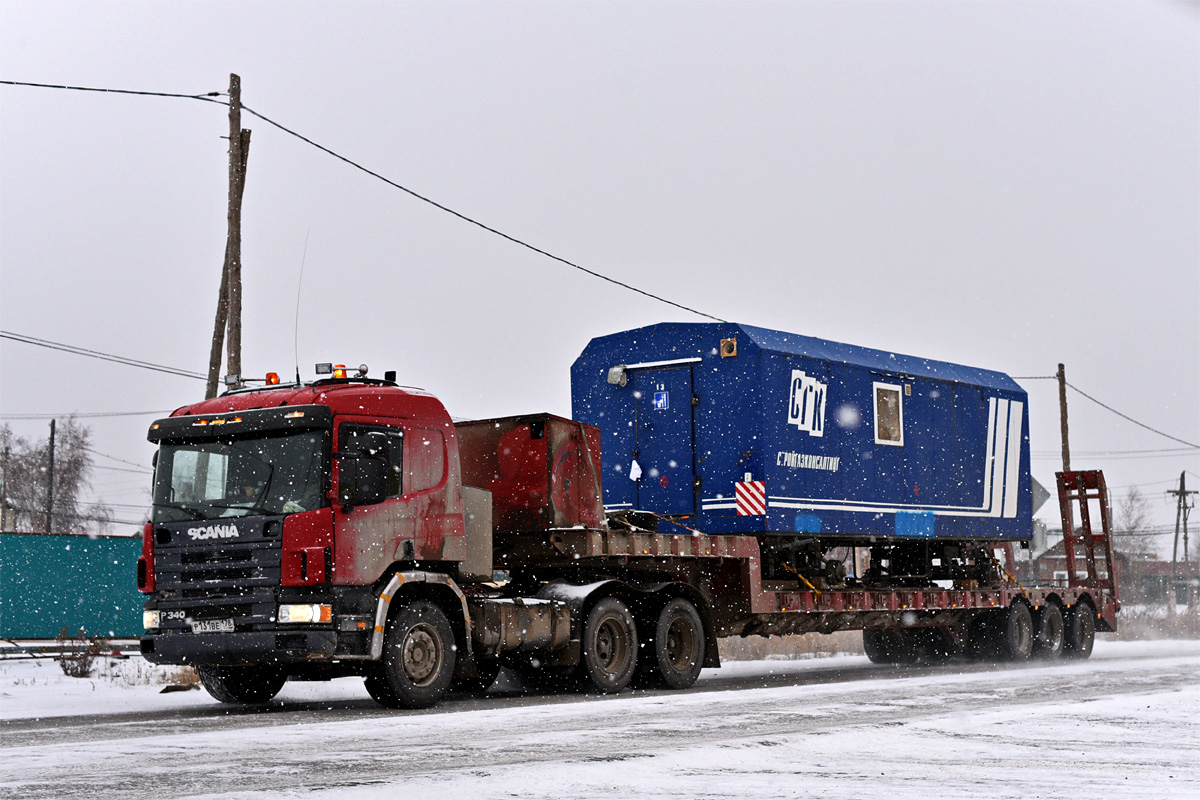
x,y
212,626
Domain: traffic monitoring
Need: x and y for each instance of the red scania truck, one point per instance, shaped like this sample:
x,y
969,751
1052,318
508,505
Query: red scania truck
x,y
349,526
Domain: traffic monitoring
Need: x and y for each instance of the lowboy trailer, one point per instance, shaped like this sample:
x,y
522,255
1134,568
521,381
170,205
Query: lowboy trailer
x,y
750,482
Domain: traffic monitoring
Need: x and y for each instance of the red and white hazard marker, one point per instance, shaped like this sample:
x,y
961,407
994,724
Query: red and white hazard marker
x,y
751,498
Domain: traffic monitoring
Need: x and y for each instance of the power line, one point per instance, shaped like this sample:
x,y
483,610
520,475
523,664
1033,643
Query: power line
x,y
85,415
476,222
142,471
1139,485
1131,419
205,96
137,507
94,451
1108,407
208,97
83,351
1155,451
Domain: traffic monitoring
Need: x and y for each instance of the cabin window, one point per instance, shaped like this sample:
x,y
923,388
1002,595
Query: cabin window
x,y
377,441
889,415
426,459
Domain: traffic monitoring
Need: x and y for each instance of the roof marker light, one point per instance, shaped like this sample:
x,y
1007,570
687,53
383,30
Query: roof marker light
x,y
272,379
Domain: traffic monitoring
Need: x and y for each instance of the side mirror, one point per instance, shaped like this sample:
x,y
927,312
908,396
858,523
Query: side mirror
x,y
362,480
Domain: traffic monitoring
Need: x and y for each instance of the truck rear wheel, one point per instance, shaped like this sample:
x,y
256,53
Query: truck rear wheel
x,y
242,685
1015,633
1080,631
1048,643
675,656
418,658
609,653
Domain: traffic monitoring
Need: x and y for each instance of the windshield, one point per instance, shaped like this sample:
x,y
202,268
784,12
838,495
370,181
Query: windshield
x,y
281,474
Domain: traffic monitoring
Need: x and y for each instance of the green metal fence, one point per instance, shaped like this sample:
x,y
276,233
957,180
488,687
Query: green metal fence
x,y
52,581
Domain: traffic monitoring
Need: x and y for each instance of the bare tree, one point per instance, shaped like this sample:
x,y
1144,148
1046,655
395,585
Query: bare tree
x,y
27,471
1132,535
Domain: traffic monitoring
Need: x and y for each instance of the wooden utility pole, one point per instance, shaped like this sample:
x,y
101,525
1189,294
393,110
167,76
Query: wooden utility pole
x,y
229,301
1062,413
50,486
1181,517
4,494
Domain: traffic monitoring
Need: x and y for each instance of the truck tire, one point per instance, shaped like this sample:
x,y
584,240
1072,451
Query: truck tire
x,y
881,646
1079,631
242,685
609,648
675,656
1048,642
1014,633
418,658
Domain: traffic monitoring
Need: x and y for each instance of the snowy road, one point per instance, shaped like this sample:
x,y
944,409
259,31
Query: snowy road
x,y
1123,722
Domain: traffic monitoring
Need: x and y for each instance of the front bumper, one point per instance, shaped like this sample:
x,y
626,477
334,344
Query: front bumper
x,y
245,647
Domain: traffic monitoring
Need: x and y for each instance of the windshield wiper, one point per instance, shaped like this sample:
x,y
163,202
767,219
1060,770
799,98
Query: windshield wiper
x,y
194,513
247,508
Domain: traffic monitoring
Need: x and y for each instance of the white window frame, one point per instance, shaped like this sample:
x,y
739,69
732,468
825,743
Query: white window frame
x,y
899,390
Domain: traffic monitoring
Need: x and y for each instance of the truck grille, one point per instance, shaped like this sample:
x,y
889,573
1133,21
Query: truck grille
x,y
221,579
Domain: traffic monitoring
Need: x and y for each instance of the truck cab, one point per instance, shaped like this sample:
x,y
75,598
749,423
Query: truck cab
x,y
277,511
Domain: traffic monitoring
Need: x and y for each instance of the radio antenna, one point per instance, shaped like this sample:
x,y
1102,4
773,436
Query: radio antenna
x,y
296,327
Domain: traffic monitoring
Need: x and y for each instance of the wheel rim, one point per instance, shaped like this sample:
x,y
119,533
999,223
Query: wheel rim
x,y
1052,632
612,645
421,655
1022,635
681,645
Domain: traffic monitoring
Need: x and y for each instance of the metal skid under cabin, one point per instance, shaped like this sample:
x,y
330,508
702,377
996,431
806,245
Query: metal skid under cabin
x,y
748,430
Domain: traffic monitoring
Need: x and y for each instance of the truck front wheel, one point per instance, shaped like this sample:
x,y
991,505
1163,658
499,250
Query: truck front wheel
x,y
418,658
609,654
242,685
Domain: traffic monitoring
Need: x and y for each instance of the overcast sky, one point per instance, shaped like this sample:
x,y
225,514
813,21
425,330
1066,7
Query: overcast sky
x,y
1006,185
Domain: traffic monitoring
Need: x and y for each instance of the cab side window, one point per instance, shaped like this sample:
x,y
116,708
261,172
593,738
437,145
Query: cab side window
x,y
426,459
377,441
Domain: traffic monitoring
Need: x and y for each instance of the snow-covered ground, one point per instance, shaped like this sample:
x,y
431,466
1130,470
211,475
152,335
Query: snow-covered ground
x,y
1123,722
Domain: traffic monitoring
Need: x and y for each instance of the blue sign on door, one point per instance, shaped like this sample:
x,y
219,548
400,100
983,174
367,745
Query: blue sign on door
x,y
662,401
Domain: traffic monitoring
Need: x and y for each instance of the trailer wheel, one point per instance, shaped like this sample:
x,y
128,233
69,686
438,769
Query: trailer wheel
x,y
1015,642
418,658
609,652
242,685
675,656
1080,629
880,646
1048,643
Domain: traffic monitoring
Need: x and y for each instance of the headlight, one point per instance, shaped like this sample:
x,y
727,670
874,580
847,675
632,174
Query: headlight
x,y
305,613
151,619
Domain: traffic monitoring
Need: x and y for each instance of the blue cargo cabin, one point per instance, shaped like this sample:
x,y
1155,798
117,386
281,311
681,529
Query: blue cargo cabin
x,y
748,430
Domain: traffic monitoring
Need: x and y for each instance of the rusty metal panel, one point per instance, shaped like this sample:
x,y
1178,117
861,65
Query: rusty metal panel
x,y
542,471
